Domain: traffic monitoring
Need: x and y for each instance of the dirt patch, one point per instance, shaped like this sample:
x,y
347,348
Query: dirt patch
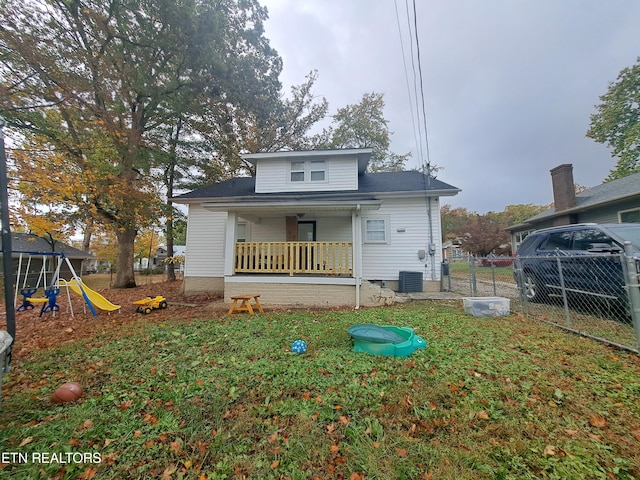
x,y
35,332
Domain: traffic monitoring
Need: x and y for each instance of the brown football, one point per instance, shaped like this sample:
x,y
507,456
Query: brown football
x,y
68,392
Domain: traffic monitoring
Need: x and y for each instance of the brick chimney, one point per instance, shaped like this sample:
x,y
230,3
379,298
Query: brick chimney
x,y
564,193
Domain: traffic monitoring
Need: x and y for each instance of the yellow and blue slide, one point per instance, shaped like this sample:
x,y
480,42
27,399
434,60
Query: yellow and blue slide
x,y
97,300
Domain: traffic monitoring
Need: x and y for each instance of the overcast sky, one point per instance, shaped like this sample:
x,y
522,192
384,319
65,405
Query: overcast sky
x,y
509,85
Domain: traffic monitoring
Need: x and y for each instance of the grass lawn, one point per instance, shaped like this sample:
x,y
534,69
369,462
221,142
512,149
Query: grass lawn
x,y
219,397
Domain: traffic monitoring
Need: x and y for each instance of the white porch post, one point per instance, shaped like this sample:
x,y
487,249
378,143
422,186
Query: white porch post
x,y
356,230
230,243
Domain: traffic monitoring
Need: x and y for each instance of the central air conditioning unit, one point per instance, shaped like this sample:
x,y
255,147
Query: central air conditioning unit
x,y
410,282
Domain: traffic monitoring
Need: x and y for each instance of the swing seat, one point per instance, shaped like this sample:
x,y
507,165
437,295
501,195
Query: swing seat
x,y
27,301
50,304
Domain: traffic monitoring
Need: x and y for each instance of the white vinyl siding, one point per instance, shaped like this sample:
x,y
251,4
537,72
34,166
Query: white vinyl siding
x,y
269,230
328,229
286,175
408,230
205,243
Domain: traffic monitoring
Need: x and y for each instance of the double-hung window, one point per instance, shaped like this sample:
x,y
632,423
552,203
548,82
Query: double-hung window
x,y
297,171
317,171
376,229
308,171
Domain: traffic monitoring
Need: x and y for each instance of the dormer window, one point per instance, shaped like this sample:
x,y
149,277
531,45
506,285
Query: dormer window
x,y
297,171
308,171
317,171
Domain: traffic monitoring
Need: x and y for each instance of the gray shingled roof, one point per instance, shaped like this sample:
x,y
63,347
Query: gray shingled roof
x,y
368,183
602,194
26,242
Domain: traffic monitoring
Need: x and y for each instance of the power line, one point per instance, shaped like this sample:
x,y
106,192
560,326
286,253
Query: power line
x,y
416,130
417,101
424,110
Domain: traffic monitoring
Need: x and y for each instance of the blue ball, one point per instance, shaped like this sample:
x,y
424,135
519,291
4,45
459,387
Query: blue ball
x,y
299,346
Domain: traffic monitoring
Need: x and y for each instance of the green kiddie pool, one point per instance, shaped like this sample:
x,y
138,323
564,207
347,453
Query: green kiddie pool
x,y
385,340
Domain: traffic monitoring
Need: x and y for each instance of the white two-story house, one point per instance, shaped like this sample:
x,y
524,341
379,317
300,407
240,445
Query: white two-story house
x,y
312,228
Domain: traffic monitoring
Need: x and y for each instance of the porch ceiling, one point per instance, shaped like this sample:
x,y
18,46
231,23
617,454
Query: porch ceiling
x,y
271,210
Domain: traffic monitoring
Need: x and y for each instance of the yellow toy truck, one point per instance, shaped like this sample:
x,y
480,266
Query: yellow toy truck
x,y
147,305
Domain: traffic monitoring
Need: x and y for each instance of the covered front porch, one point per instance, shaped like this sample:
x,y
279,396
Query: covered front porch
x,y
321,239
310,253
291,258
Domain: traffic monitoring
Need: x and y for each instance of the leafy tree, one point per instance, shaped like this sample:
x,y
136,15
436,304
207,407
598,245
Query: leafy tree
x,y
452,220
483,235
180,231
515,214
289,122
363,126
97,78
617,122
147,243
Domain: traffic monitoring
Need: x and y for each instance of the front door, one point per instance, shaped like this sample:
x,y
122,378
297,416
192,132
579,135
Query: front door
x,y
307,231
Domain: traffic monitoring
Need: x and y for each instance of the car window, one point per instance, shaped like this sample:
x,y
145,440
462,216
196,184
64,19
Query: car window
x,y
583,239
557,240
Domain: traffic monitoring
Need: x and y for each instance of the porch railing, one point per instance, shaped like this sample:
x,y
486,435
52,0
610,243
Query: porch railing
x,y
318,258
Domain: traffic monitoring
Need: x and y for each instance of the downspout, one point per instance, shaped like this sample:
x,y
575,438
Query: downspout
x,y
432,245
357,259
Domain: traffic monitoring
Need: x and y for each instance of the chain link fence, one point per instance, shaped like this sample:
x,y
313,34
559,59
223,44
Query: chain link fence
x,y
597,296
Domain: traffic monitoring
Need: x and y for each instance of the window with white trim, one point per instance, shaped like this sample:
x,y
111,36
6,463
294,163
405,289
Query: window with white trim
x,y
308,171
318,171
629,216
297,171
376,229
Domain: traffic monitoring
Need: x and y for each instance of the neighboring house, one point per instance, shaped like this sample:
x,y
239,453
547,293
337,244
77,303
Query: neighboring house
x,y
159,259
31,248
313,229
617,201
452,251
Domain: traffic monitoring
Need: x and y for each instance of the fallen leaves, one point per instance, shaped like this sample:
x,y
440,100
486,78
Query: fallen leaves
x,y
597,421
26,441
483,415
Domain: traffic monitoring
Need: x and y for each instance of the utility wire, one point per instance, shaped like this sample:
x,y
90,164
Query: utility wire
x,y
424,111
416,130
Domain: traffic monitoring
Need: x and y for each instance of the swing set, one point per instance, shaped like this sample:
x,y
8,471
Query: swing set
x,y
50,285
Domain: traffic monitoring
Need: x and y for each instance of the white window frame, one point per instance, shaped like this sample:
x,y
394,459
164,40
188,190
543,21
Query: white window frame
x,y
316,169
309,168
621,212
385,229
293,171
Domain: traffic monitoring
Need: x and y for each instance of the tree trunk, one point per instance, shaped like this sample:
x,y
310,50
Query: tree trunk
x,y
125,277
171,270
86,239
169,181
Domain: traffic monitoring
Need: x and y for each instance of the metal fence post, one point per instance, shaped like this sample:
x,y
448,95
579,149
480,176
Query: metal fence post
x,y
472,277
565,301
633,288
493,277
520,283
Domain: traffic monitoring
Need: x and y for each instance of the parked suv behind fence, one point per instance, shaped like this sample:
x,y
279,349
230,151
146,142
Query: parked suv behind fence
x,y
584,261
